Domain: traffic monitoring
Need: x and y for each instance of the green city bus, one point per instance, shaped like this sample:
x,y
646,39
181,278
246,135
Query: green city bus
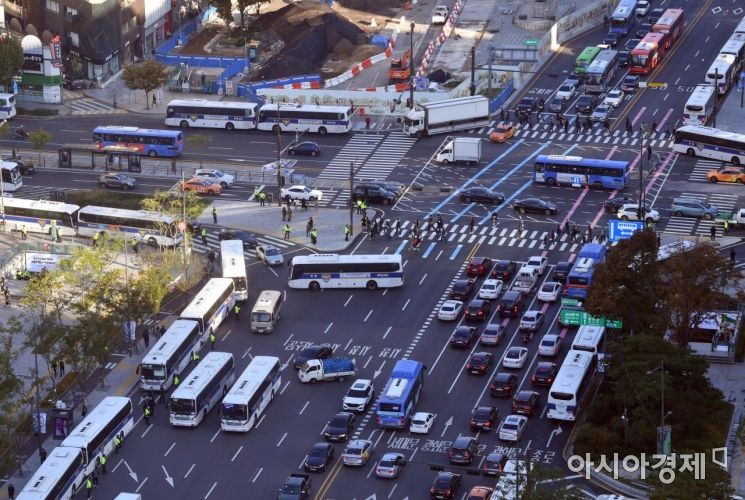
x,y
585,59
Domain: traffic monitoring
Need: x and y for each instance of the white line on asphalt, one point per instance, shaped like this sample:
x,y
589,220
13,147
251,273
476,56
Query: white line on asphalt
x,y
407,303
288,338
215,436
300,466
189,471
384,292
282,439
368,361
257,475
150,426
304,407
210,491
347,302
423,278
142,484
387,332
75,131
236,454
261,420
285,387
246,353
121,461
411,458
368,315
217,147
328,327
347,346
438,358
169,449
227,334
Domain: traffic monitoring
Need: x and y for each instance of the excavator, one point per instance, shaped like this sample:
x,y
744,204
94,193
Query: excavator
x,y
400,70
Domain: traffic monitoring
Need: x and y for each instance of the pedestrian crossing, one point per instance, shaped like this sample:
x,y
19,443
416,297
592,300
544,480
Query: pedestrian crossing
x,y
701,168
33,192
386,157
88,106
213,243
700,227
356,150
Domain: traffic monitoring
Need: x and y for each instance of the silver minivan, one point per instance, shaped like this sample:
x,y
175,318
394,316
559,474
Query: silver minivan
x,y
691,207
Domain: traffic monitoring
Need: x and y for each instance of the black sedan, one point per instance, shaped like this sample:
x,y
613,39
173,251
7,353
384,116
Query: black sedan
x,y
534,205
319,457
611,38
586,103
463,337
614,204
529,104
313,352
462,290
479,363
481,195
504,269
308,148
544,374
483,417
340,428
249,239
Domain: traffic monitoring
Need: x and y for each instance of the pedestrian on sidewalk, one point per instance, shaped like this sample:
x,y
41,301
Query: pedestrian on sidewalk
x,y
713,232
42,454
667,131
284,214
61,366
146,337
367,122
214,215
11,491
161,331
289,214
83,410
347,230
494,218
54,368
155,101
24,232
308,227
7,297
287,231
14,153
649,152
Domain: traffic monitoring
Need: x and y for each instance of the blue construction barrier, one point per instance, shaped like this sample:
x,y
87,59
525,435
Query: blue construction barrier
x,y
500,99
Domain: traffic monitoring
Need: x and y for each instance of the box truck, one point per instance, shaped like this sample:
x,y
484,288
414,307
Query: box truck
x,y
460,150
450,115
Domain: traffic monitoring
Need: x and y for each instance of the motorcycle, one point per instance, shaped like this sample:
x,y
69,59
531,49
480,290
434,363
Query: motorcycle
x,y
527,336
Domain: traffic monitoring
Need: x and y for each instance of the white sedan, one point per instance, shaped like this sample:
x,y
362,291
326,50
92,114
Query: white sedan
x,y
450,310
513,427
421,422
515,357
491,289
631,212
216,176
550,291
301,193
270,255
614,98
539,262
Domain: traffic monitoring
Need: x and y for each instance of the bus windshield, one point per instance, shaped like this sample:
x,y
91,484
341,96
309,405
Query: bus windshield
x,y
153,372
182,406
234,411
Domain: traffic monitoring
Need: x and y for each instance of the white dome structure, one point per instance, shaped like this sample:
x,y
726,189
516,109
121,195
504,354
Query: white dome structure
x,y
31,45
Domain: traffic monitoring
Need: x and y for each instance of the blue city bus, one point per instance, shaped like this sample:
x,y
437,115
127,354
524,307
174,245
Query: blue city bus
x,y
577,171
580,277
148,142
402,391
623,18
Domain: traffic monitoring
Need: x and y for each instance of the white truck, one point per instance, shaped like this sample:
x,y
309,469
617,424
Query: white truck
x,y
319,370
734,219
460,150
450,115
526,280
440,15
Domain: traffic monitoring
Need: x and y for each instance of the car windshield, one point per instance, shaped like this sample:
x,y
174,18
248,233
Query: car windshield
x,y
338,421
418,421
272,251
317,452
548,342
356,393
513,354
387,463
354,451
543,370
547,288
509,426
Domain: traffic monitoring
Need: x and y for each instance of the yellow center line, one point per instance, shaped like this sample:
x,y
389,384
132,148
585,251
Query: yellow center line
x,y
330,478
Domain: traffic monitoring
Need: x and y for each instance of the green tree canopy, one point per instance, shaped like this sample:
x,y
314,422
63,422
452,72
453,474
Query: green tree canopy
x,y
11,59
147,76
39,138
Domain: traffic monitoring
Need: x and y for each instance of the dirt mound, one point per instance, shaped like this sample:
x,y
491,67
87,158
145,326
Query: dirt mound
x,y
310,34
387,7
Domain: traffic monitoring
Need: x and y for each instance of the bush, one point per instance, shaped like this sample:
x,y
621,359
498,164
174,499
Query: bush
x,y
113,199
37,111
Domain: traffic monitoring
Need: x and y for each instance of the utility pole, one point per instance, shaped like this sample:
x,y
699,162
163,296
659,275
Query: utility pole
x,y
411,66
351,198
473,70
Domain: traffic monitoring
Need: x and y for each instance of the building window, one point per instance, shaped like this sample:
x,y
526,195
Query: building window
x,y
74,39
71,15
53,6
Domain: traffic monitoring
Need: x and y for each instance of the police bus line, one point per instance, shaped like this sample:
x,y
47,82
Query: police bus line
x,y
211,305
170,355
234,267
699,109
318,271
252,392
566,393
202,389
59,477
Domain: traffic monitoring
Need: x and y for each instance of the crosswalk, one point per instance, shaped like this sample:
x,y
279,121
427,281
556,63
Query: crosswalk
x,y
701,168
700,227
213,243
33,192
88,106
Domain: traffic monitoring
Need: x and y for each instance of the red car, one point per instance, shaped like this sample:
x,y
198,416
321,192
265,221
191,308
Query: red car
x,y
526,402
483,417
478,266
480,363
477,310
544,373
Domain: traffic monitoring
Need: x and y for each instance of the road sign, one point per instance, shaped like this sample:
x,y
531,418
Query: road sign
x,y
570,302
623,229
577,317
656,85
531,42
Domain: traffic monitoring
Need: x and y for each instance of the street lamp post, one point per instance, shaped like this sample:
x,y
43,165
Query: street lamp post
x,y
661,432
411,66
472,88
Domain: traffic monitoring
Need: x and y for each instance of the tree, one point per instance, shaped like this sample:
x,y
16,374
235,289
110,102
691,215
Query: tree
x,y
39,138
626,285
11,60
694,279
147,76
717,485
224,11
257,3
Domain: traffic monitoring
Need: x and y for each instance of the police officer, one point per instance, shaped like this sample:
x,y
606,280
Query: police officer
x,y
176,381
262,198
88,486
203,234
102,462
195,356
212,340
287,231
117,443
237,311
146,411
95,239
314,236
134,245
24,232
11,491
347,230
42,454
214,215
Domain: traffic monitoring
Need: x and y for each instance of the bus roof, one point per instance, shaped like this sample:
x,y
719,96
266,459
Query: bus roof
x,y
624,9
570,160
56,464
721,64
95,421
601,62
589,53
250,379
232,259
734,45
593,251
740,26
198,307
8,165
649,43
141,131
52,206
668,19
572,372
405,371
169,343
701,94
321,258
406,368
303,107
213,104
711,132
122,212
199,376
588,335
450,102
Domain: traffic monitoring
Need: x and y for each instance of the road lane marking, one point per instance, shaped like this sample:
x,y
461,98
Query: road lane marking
x,y
329,327
169,449
236,454
387,332
304,407
189,471
282,439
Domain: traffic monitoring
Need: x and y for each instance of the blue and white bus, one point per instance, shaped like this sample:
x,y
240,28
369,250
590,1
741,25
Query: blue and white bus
x,y
39,215
699,109
7,106
565,394
623,18
305,118
234,267
708,142
579,278
402,392
96,432
557,170
318,271
11,175
253,391
148,142
201,113
150,227
59,477
722,73
212,304
601,72
202,389
735,46
170,355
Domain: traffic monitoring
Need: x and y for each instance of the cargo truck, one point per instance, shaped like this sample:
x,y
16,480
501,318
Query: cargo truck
x,y
317,370
734,219
450,115
460,150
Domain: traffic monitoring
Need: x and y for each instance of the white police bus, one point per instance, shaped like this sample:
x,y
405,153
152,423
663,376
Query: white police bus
x,y
11,176
234,267
211,305
305,118
253,391
151,227
202,389
96,432
229,115
59,477
318,271
569,385
589,338
39,215
170,355
699,108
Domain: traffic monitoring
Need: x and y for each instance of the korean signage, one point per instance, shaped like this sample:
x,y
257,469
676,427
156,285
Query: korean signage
x,y
623,229
577,317
33,63
55,51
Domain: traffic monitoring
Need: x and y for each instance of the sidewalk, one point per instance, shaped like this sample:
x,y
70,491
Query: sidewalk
x,y
731,116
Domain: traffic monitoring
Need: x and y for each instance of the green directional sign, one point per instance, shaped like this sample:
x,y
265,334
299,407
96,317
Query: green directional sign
x,y
570,302
531,42
578,317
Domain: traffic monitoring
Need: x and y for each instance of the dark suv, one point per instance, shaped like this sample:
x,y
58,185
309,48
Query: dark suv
x,y
74,83
561,271
463,450
373,194
510,304
462,290
477,310
586,103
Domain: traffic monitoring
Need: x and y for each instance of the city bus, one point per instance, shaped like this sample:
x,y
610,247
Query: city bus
x,y
577,171
671,24
699,109
202,113
7,106
205,385
10,173
579,278
170,355
318,271
212,305
234,267
305,118
148,142
565,394
623,18
600,74
585,59
96,431
59,477
589,338
150,227
38,215
396,403
265,313
740,26
252,392
707,142
735,46
647,54
721,73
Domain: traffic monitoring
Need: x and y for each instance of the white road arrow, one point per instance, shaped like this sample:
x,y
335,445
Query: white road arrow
x,y
372,497
132,474
554,432
169,479
378,372
447,424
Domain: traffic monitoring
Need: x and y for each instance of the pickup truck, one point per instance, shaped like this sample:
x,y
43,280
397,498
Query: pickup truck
x,y
440,14
315,370
524,285
296,487
735,219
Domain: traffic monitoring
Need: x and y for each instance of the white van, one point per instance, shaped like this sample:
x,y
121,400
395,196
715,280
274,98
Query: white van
x,y
265,313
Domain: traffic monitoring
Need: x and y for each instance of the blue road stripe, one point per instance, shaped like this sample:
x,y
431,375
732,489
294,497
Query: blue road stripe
x,y
478,174
456,252
401,247
521,164
506,203
429,250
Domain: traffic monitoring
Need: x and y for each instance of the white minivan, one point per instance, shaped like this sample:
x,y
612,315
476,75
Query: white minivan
x,y
265,313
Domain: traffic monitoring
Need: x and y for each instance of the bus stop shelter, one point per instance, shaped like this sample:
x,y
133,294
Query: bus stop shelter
x,y
108,157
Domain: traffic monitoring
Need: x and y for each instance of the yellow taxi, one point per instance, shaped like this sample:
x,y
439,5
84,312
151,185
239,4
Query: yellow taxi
x,y
728,173
201,185
502,132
